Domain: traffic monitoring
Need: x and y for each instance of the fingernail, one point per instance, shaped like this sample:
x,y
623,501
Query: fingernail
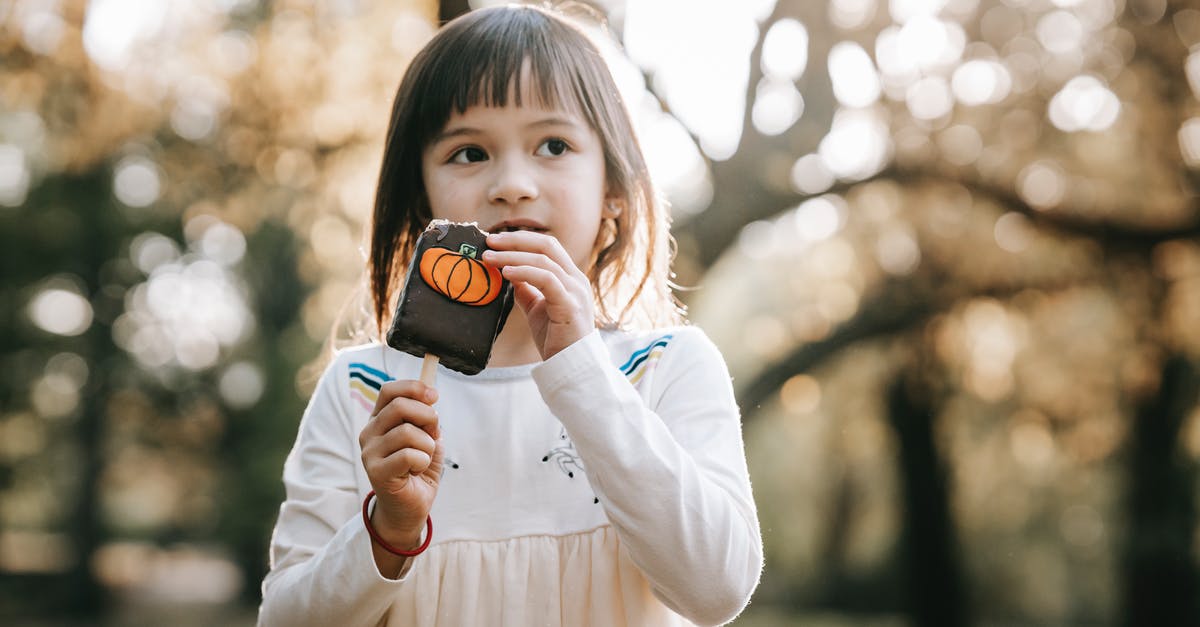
x,y
430,395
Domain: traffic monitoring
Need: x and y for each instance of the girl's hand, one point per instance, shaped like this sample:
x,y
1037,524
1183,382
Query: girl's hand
x,y
402,454
554,293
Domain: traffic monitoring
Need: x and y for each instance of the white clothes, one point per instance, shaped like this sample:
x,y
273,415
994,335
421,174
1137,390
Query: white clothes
x,y
605,486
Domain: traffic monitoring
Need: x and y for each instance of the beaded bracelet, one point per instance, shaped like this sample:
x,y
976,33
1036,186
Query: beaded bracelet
x,y
387,547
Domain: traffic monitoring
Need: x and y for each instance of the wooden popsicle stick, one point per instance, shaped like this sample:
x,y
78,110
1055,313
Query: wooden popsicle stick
x,y
429,369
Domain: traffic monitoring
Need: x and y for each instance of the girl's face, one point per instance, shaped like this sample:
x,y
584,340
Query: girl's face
x,y
520,167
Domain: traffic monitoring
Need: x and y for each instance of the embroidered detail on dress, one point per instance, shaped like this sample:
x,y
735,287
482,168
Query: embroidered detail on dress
x,y
645,359
566,458
365,382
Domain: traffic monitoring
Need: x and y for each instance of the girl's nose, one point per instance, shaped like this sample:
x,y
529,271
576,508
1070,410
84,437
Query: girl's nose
x,y
513,184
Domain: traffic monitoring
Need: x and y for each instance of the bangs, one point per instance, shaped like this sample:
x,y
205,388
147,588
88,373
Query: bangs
x,y
486,61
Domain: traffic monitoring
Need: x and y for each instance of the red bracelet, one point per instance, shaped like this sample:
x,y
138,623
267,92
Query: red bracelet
x,y
389,548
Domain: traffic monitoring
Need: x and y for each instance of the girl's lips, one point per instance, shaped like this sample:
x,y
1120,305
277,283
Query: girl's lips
x,y
508,226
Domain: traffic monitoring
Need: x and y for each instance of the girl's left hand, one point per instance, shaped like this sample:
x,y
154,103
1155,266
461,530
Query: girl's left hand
x,y
554,293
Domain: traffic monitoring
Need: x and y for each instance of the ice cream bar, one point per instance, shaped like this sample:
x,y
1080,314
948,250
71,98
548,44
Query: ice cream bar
x,y
453,305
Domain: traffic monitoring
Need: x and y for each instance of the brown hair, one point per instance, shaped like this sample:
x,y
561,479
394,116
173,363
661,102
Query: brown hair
x,y
476,60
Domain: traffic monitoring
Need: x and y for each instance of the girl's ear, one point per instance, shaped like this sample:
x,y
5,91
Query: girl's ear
x,y
612,207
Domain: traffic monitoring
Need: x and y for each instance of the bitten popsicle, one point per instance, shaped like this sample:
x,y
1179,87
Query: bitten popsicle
x,y
453,305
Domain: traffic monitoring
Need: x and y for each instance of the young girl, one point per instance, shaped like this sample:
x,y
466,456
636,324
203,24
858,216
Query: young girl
x,y
591,474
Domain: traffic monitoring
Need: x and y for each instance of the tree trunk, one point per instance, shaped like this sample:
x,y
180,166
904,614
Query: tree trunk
x,y
934,583
1160,571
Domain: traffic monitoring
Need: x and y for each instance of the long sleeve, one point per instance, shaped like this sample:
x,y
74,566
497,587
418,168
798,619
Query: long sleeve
x,y
322,568
670,473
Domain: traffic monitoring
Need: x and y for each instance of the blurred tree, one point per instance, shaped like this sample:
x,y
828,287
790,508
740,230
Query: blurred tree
x,y
1030,187
174,183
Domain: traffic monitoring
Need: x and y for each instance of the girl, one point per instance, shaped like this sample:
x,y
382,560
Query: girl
x,y
591,474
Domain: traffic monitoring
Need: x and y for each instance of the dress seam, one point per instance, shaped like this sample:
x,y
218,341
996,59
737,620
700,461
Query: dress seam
x,y
554,536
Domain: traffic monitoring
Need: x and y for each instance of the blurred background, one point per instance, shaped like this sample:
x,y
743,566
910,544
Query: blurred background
x,y
949,249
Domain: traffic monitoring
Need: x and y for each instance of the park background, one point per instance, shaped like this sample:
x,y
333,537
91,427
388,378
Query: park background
x,y
949,249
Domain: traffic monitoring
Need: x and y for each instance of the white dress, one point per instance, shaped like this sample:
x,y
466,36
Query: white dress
x,y
605,486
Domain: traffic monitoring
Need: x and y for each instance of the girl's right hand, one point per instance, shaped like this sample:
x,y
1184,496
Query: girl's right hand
x,y
403,455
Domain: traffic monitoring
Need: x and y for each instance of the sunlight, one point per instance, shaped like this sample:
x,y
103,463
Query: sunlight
x,y
14,176
857,145
192,305
223,243
178,575
800,394
981,81
777,106
766,336
60,308
851,14
331,240
757,240
1042,184
234,51
904,10
199,102
1189,142
674,161
1192,69
242,384
1060,32
27,551
810,175
1013,232
113,28
837,300
960,144
137,181
54,395
818,218
785,50
896,68
42,26
1032,445
992,336
855,81
897,251
931,43
929,98
1084,104
151,250
688,49
672,156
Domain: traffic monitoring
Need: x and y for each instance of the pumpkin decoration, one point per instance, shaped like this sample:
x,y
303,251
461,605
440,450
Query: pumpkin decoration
x,y
459,276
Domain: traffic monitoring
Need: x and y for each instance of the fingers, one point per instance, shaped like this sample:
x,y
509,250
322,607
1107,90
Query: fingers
x,y
540,261
548,281
407,388
537,243
402,402
402,450
405,450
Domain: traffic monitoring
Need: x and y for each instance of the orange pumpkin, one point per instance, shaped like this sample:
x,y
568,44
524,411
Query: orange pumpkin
x,y
459,276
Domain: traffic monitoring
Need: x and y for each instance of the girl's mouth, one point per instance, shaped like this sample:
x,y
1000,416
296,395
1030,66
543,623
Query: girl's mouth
x,y
510,226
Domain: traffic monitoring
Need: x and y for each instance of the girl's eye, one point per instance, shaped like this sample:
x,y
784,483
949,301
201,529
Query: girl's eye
x,y
552,148
470,154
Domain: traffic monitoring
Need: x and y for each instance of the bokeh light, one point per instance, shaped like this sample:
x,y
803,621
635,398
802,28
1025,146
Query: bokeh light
x,y
59,307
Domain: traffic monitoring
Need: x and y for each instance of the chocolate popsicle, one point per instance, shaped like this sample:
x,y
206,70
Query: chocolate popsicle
x,y
453,305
